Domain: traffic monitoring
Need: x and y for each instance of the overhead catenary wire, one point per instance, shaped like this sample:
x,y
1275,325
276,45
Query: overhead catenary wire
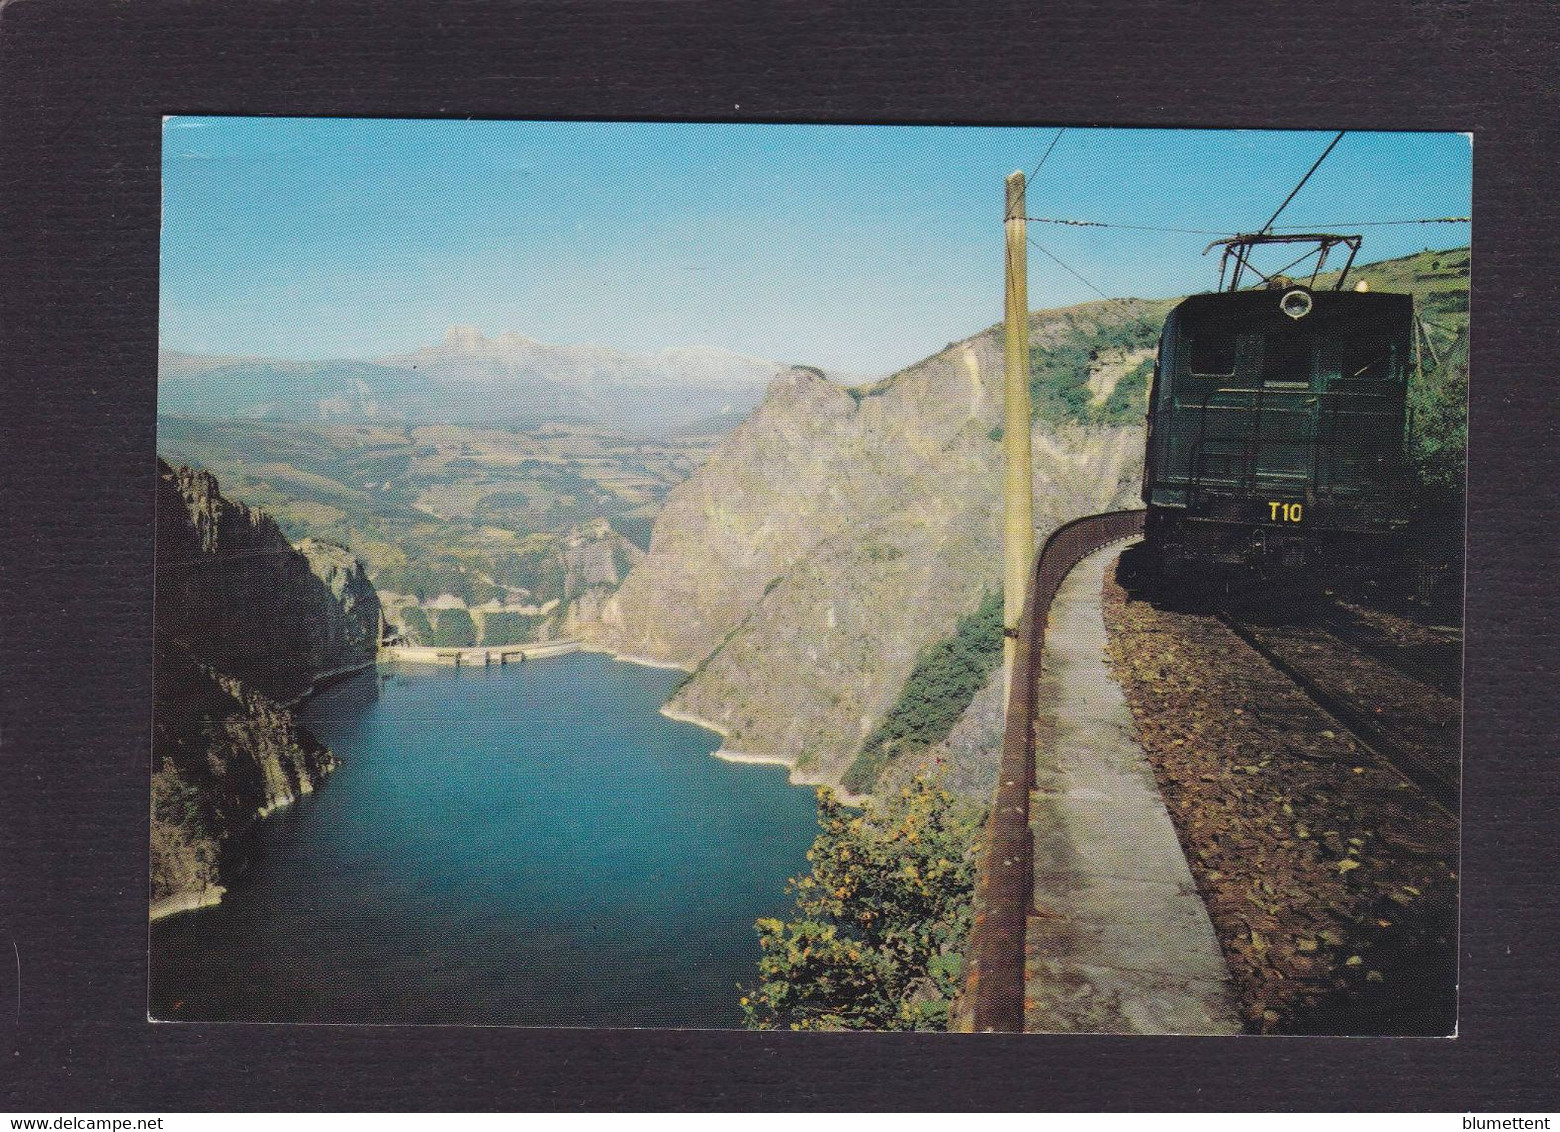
x,y
1070,223
1212,232
1373,223
1130,227
1043,250
1041,164
1268,227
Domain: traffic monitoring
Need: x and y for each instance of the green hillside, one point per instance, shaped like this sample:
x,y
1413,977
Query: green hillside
x,y
1070,349
1438,280
1069,355
1438,397
473,512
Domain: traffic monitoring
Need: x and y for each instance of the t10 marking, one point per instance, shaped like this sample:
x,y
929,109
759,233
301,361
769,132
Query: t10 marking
x,y
1287,512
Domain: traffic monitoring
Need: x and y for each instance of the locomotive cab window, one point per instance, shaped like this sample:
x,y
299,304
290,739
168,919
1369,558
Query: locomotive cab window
x,y
1212,356
1368,361
1286,361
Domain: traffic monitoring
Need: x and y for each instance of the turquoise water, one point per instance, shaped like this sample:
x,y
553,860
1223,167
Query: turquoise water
x,y
531,845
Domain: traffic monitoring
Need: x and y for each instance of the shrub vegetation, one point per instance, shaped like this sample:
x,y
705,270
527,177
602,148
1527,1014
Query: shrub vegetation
x,y
1438,444
417,626
510,628
885,915
1059,373
455,629
945,679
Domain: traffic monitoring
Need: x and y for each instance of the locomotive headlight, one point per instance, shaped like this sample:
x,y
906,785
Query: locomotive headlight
x,y
1296,303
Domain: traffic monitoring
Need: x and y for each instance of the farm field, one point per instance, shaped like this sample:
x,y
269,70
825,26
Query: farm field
x,y
476,513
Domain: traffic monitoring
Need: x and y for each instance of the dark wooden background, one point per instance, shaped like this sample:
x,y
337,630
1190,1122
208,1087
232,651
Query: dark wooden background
x,y
83,85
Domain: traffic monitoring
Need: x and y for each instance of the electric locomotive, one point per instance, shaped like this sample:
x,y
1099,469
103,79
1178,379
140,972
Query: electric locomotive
x,y
1277,422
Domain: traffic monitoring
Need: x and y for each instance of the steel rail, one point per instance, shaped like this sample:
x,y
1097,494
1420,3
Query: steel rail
x,y
1442,787
1004,887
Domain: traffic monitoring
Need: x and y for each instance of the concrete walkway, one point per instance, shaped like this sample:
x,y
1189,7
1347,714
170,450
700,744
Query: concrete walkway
x,y
1119,941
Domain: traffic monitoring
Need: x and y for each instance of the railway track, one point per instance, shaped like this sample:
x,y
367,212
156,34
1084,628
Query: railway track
x,y
1432,656
1329,873
1420,753
1414,734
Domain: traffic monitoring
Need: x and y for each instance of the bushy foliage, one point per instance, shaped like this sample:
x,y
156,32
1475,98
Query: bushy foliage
x,y
1438,444
427,577
417,626
455,629
885,915
537,569
945,679
1128,401
1059,373
511,628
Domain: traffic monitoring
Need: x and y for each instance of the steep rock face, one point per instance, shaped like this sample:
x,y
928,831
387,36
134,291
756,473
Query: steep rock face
x,y
244,600
583,568
596,561
242,619
224,754
596,557
785,480
837,533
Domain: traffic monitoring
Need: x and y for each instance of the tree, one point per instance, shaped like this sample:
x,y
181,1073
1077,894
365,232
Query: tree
x,y
511,628
415,622
1438,448
885,915
455,629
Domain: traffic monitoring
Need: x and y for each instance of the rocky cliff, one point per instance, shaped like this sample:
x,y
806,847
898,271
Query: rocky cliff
x,y
583,568
245,600
244,620
224,754
595,560
839,532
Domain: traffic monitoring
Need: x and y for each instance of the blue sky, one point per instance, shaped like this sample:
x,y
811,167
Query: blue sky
x,y
857,248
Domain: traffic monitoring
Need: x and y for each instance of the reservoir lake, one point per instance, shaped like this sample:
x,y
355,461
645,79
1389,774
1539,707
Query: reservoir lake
x,y
532,844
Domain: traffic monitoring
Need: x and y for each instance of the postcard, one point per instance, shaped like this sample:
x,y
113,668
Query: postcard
x,y
809,577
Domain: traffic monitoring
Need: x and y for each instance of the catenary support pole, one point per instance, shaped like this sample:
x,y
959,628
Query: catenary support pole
x,y
1018,492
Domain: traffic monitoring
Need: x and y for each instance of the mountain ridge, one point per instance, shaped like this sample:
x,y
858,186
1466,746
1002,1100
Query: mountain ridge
x,y
468,377
839,533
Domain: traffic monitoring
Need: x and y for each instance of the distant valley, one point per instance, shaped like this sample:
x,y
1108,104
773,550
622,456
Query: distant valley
x,y
534,524
811,557
503,486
